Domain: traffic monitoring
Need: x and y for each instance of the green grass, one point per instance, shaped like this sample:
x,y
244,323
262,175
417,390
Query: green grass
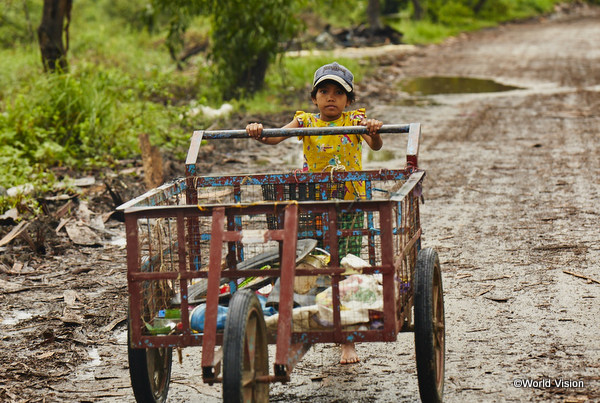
x,y
122,82
455,18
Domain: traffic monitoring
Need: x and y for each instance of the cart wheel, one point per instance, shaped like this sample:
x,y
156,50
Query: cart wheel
x,y
150,372
429,326
245,355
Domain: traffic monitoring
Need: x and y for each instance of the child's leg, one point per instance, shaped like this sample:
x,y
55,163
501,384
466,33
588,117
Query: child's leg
x,y
351,244
349,355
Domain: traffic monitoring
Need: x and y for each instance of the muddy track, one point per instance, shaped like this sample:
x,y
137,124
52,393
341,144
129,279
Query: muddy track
x,y
512,205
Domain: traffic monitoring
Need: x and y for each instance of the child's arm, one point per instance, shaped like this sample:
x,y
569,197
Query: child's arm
x,y
372,138
254,130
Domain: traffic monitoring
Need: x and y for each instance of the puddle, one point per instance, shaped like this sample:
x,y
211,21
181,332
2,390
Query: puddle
x,y
122,337
451,85
416,101
381,155
15,317
87,370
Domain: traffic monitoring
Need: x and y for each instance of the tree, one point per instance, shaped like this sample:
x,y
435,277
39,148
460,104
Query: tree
x,y
50,34
373,13
418,10
246,36
393,6
478,6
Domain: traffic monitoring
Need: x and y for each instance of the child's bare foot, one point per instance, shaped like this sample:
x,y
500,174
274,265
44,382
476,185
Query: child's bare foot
x,y
349,355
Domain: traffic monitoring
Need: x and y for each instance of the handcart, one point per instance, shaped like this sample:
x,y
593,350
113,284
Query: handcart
x,y
229,262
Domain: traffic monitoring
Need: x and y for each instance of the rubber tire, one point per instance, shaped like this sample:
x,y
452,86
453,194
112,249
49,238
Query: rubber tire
x,y
150,371
245,330
429,326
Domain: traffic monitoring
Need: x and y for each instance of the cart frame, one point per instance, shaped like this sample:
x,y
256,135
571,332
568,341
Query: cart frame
x,y
397,228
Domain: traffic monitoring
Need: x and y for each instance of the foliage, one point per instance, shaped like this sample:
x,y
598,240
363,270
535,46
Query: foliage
x,y
138,14
179,14
18,21
447,18
247,36
83,120
339,13
419,32
288,85
455,13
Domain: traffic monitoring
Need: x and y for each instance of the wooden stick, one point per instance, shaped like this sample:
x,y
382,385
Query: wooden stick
x,y
485,291
15,232
581,276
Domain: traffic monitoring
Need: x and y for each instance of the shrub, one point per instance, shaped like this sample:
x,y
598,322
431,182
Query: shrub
x,y
454,13
83,119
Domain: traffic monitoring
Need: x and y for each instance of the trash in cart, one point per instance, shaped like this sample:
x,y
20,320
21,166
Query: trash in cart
x,y
250,260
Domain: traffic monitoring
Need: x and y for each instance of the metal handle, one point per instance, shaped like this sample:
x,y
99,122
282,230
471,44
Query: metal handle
x,y
412,148
302,131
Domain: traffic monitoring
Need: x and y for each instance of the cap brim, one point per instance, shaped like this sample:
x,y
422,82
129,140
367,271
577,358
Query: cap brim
x,y
335,78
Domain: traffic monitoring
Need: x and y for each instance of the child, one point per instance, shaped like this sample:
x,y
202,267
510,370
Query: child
x,y
332,92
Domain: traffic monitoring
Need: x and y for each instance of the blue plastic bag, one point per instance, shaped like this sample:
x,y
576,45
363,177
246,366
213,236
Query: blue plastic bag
x,y
267,311
197,317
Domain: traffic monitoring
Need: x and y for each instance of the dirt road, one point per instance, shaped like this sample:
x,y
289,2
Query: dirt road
x,y
512,205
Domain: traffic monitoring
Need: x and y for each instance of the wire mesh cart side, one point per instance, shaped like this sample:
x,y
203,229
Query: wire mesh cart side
x,y
233,263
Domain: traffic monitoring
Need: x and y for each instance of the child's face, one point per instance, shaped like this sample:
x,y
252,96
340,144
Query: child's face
x,y
331,99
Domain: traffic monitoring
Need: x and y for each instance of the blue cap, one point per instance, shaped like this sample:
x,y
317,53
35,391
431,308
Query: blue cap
x,y
335,72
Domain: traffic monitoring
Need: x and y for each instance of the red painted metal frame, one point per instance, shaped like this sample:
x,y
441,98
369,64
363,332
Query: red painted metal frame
x,y
291,346
218,213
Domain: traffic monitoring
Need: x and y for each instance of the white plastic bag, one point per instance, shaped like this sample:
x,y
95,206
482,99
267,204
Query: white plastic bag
x,y
359,293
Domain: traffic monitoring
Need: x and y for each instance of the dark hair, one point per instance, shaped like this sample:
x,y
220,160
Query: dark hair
x,y
351,95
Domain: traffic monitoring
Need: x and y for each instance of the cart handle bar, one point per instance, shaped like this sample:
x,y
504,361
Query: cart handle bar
x,y
412,149
302,131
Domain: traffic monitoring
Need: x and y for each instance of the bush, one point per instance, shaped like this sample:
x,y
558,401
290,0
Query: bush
x,y
83,119
60,118
454,13
495,10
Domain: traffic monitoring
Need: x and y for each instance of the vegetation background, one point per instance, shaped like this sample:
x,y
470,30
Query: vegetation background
x,y
154,66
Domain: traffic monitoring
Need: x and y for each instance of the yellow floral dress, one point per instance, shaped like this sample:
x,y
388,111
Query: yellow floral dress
x,y
324,153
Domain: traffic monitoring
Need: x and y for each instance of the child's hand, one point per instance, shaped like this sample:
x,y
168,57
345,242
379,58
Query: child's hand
x,y
373,125
372,136
254,130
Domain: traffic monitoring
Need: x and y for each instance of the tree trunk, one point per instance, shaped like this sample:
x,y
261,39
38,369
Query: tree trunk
x,y
417,10
478,6
373,12
50,34
393,6
255,74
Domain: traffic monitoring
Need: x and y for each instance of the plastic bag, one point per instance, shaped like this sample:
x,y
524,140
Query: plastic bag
x,y
197,317
359,293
